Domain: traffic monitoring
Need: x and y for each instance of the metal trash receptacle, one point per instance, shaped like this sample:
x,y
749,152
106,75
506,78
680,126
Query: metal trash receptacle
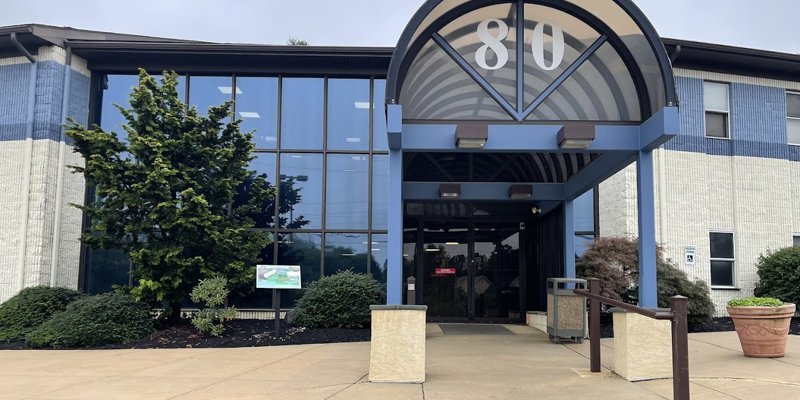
x,y
566,311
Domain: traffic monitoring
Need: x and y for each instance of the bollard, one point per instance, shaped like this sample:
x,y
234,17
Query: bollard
x,y
594,326
680,348
411,291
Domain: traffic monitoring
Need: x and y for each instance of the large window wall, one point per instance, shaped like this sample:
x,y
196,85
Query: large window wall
x,y
321,142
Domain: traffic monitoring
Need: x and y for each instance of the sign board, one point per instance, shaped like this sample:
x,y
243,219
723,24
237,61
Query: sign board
x,y
278,276
444,271
689,255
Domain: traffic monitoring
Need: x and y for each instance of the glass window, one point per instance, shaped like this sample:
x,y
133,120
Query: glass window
x,y
722,259
380,192
118,90
348,114
379,257
301,249
210,91
347,194
380,141
301,191
796,240
717,107
302,110
345,251
257,107
105,269
793,117
584,212
263,165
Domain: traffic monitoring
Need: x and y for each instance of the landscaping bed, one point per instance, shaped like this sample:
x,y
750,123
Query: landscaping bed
x,y
723,324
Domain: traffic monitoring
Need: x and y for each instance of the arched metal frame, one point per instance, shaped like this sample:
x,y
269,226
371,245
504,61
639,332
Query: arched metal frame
x,y
415,36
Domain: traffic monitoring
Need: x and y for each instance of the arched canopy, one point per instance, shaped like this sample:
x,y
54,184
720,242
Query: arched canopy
x,y
582,60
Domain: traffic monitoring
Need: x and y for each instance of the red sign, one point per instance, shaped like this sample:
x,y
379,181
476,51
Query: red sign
x,y
444,271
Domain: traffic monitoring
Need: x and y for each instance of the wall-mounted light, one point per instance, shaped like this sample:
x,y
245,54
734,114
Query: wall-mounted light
x,y
471,136
520,192
449,191
576,137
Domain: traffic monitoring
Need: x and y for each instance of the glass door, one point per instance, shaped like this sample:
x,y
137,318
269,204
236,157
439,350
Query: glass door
x,y
496,271
445,276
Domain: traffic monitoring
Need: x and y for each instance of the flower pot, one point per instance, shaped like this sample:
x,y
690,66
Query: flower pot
x,y
762,330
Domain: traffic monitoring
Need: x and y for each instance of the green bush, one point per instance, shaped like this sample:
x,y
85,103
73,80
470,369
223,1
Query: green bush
x,y
779,275
615,261
212,292
94,321
27,310
339,301
755,302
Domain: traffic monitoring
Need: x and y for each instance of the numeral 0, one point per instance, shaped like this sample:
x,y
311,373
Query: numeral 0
x,y
495,43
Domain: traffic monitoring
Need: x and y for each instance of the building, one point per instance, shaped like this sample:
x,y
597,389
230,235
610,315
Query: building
x,y
442,158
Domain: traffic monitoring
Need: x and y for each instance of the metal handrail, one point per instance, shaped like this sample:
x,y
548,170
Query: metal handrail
x,y
680,332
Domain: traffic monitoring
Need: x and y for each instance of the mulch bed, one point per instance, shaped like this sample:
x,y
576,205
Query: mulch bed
x,y
240,333
716,325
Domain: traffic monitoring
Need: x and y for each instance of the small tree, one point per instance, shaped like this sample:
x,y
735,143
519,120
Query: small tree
x,y
177,196
212,292
779,275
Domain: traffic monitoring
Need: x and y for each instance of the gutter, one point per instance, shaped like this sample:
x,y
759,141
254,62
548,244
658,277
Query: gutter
x,y
27,163
62,145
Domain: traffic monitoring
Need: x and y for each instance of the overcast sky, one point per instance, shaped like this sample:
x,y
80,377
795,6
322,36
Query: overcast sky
x,y
763,24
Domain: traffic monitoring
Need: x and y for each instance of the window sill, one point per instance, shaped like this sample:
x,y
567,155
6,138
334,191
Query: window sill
x,y
717,137
729,288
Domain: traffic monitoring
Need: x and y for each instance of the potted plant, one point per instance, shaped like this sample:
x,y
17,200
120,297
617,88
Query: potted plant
x,y
762,324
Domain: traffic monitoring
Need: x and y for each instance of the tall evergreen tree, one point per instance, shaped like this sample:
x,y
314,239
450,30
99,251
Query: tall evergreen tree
x,y
177,195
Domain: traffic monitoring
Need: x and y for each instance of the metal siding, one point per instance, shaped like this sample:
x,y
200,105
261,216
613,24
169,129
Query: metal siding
x,y
14,81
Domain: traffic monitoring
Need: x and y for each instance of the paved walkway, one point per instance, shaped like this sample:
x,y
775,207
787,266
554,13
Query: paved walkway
x,y
523,366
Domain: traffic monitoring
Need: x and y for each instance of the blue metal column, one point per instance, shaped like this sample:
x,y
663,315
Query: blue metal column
x,y
648,294
569,239
394,279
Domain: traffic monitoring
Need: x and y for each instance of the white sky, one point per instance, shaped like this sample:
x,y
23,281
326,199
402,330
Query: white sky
x,y
762,24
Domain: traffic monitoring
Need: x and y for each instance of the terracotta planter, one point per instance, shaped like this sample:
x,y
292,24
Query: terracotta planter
x,y
762,330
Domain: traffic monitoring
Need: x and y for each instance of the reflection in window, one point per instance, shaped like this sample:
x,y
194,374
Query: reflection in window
x,y
379,260
584,212
118,91
301,191
380,189
302,113
210,91
348,114
345,251
301,249
257,107
717,107
263,165
347,191
379,120
722,259
105,269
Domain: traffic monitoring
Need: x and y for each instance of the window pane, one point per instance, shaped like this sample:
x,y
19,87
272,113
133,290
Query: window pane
x,y
584,212
261,298
348,114
301,249
118,91
793,126
715,96
716,125
105,268
379,259
301,191
380,189
210,91
345,251
301,113
263,165
721,245
257,107
796,241
347,192
722,273
793,105
379,120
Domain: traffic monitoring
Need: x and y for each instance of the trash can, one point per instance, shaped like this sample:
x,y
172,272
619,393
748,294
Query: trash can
x,y
566,311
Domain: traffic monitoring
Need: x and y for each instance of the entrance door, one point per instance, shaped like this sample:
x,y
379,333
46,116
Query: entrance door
x,y
470,270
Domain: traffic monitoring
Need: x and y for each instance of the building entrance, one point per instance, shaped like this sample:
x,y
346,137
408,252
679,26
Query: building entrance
x,y
470,270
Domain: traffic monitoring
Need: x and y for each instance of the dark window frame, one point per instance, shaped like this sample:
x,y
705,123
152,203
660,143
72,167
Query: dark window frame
x,y
732,261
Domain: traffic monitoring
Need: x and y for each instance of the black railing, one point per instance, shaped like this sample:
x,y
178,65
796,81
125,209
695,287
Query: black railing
x,y
680,333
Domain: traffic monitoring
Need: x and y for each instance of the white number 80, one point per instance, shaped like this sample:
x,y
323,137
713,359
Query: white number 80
x,y
501,52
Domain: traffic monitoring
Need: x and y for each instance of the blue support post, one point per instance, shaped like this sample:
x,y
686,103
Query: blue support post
x,y
648,294
394,279
569,239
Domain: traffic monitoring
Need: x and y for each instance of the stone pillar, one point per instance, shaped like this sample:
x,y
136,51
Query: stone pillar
x,y
397,349
642,347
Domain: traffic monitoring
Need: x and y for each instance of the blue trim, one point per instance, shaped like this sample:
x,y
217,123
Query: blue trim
x,y
569,239
645,191
660,128
477,77
563,77
732,147
482,191
394,126
394,269
520,56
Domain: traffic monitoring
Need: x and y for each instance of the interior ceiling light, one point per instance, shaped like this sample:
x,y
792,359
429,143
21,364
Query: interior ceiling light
x,y
471,136
520,192
249,114
228,90
449,191
576,137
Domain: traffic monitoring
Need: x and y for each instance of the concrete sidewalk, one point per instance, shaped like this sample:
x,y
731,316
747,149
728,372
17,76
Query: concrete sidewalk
x,y
523,366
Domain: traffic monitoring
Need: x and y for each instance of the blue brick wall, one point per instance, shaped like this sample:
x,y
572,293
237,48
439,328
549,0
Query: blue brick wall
x,y
14,92
757,121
